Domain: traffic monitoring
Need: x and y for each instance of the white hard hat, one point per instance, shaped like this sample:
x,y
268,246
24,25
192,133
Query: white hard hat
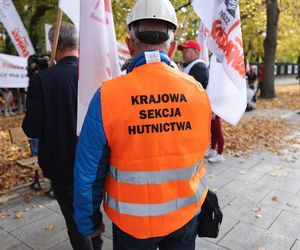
x,y
153,9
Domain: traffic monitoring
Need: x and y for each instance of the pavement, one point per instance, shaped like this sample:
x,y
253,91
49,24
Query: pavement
x,y
286,80
259,196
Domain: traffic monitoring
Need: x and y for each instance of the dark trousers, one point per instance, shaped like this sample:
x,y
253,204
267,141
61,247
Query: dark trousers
x,y
217,135
64,196
182,239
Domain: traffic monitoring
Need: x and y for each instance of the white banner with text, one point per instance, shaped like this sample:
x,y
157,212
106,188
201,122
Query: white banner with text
x,y
13,73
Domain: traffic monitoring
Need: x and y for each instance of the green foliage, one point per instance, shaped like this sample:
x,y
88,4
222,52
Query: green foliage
x,y
36,13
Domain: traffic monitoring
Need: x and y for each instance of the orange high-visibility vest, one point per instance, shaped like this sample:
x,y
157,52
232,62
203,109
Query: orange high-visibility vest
x,y
157,123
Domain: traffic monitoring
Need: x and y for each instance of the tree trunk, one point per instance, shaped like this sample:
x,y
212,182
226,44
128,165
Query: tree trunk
x,y
270,43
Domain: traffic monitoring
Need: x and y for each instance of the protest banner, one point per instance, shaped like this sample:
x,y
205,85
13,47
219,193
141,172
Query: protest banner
x,y
98,51
222,20
13,73
15,28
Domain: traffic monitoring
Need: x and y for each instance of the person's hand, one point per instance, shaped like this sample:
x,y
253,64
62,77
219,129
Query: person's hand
x,y
99,231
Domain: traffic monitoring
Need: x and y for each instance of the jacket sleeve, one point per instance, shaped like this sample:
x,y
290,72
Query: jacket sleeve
x,y
33,120
91,167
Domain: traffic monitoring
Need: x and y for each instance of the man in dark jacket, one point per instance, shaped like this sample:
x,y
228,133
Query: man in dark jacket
x,y
192,63
51,116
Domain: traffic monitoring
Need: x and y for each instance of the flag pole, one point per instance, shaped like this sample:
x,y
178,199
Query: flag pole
x,y
172,53
56,35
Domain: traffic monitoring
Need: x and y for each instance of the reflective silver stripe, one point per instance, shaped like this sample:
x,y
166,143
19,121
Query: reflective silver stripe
x,y
154,177
157,209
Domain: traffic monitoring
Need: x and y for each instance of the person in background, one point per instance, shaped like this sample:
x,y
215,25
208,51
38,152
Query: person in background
x,y
8,103
251,77
192,63
251,99
51,116
197,68
260,80
217,141
154,176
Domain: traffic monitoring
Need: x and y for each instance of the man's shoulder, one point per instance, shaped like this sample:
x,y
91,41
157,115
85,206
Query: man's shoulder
x,y
201,65
60,69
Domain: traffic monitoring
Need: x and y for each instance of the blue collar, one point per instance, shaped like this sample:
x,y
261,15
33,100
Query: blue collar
x,y
140,60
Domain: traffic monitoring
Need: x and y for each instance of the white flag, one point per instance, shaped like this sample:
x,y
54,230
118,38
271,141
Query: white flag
x,y
98,51
71,9
15,28
202,40
48,44
222,20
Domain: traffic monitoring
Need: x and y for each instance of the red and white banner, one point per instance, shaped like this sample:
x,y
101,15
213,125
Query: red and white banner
x,y
202,40
13,73
71,8
98,51
15,28
222,20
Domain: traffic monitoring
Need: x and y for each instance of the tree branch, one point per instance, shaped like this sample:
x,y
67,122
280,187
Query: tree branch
x,y
183,6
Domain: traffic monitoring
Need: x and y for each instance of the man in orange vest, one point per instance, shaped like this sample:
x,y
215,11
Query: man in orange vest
x,y
142,144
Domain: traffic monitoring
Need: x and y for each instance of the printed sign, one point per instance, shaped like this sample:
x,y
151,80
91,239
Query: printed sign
x,y
13,73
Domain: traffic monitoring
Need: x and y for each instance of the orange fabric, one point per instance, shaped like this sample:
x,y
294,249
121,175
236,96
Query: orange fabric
x,y
156,226
173,112
152,193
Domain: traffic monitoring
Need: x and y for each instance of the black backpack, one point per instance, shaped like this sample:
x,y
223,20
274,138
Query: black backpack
x,y
211,216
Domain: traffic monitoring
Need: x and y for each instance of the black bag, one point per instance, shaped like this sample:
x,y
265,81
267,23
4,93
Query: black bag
x,y
211,216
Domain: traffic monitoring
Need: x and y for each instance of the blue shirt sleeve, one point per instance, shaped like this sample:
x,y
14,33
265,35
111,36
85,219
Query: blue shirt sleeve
x,y
91,167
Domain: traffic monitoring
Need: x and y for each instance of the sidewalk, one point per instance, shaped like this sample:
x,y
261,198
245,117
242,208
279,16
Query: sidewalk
x,y
285,80
259,195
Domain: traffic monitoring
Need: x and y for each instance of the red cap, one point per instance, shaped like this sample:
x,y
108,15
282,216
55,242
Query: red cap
x,y
190,44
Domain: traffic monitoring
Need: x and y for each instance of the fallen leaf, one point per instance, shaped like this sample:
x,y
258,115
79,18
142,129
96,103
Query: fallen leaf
x,y
256,209
2,215
41,193
28,198
261,248
18,215
2,202
49,227
275,198
276,174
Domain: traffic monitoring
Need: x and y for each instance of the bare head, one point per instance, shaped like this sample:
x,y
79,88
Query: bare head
x,y
151,25
67,41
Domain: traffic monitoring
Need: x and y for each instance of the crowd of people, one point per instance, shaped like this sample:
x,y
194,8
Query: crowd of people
x,y
12,101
